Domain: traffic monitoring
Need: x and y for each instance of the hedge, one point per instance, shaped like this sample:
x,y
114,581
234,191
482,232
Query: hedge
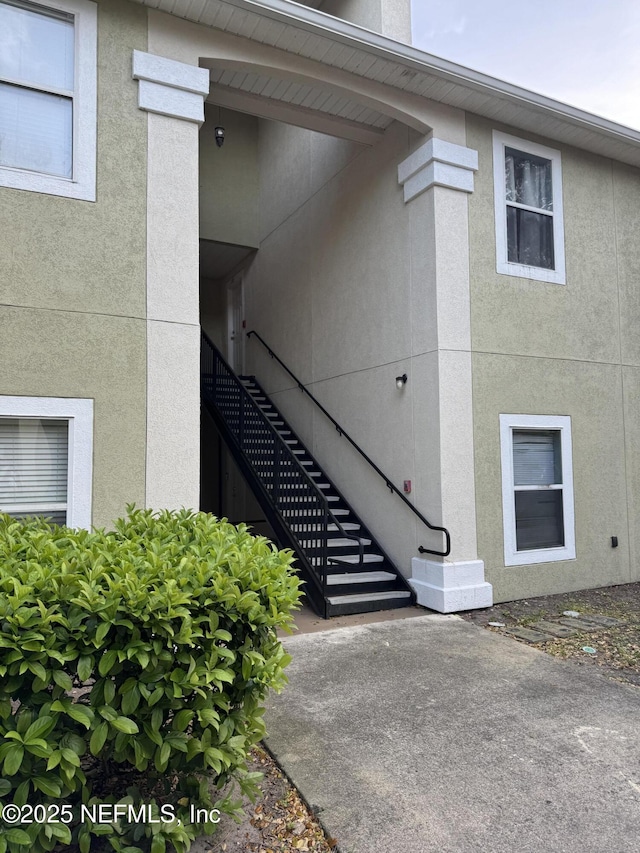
x,y
133,665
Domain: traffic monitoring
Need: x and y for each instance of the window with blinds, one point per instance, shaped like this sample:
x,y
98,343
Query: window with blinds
x,y
34,465
37,88
537,489
537,475
48,96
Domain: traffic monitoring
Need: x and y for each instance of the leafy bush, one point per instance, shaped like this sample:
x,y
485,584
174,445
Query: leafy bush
x,y
132,668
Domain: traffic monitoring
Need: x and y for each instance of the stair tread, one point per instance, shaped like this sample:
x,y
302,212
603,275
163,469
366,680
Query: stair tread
x,y
351,576
361,577
291,498
355,558
368,596
311,526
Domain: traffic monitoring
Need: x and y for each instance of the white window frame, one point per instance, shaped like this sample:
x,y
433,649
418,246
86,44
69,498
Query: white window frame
x,y
501,141
82,184
561,423
79,414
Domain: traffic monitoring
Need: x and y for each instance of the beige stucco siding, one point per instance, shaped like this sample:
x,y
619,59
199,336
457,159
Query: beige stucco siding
x,y
631,399
591,394
576,320
626,193
551,349
72,279
80,354
85,256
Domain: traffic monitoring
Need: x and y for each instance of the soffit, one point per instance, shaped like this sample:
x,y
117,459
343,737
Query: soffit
x,y
332,42
313,98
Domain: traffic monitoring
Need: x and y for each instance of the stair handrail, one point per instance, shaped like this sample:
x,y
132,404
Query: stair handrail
x,y
342,432
293,458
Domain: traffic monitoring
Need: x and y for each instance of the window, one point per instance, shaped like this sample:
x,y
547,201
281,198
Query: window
x,y
46,453
48,97
537,489
528,201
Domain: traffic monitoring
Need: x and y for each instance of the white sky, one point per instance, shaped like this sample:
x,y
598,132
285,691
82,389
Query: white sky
x,y
582,52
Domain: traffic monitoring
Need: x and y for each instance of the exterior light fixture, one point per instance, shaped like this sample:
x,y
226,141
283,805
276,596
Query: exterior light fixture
x,y
401,381
219,130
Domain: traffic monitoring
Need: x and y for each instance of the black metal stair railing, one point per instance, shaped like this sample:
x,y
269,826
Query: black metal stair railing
x,y
285,484
342,432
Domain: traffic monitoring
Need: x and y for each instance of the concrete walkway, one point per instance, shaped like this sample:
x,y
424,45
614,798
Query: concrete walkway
x,y
431,734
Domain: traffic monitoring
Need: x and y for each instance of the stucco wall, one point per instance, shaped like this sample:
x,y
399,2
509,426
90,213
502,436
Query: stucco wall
x,y
229,178
390,17
333,291
72,279
570,349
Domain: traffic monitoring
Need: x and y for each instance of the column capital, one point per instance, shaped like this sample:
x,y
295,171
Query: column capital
x,y
438,163
170,88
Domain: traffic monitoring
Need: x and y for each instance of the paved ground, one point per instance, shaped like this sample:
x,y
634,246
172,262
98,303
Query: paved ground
x,y
431,734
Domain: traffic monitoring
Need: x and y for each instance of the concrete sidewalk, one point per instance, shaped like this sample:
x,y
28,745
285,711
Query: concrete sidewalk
x,y
431,734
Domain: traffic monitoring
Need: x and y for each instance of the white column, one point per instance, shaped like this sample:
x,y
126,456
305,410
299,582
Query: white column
x,y
442,174
173,95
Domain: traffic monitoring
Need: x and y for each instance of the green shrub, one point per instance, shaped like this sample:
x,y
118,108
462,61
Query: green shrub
x,y
133,664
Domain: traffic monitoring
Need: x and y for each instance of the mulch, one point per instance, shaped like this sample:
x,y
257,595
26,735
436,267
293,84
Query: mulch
x,y
279,822
617,650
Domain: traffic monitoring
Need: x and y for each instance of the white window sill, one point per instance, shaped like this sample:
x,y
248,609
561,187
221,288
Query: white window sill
x,y
542,555
36,182
532,273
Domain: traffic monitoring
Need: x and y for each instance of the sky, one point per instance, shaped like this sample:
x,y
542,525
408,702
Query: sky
x,y
582,52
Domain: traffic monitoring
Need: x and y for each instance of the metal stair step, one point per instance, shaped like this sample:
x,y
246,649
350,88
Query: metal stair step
x,y
355,583
355,558
360,578
312,527
369,597
291,498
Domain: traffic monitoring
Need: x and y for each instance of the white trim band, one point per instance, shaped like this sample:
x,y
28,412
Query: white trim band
x,y
170,88
438,163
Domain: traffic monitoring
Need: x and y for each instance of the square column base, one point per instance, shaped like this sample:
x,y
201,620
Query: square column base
x,y
450,587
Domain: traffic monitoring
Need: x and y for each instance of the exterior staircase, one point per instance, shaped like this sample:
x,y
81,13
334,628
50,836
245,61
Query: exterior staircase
x,y
345,570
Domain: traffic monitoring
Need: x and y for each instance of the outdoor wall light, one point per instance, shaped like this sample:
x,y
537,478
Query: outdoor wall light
x,y
401,381
219,133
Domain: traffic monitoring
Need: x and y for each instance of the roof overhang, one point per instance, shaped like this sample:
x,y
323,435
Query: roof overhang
x,y
337,44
